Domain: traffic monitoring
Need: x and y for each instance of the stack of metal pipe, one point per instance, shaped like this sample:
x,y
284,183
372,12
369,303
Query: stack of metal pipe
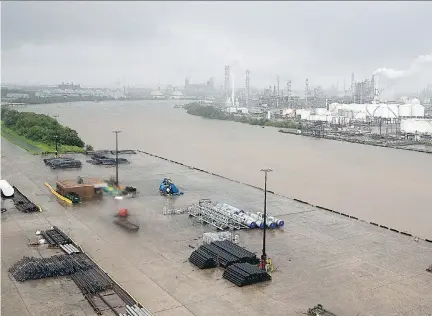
x,y
210,237
271,221
250,219
30,268
136,311
236,214
69,248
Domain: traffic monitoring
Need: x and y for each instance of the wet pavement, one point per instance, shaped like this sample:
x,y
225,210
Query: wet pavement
x,y
349,266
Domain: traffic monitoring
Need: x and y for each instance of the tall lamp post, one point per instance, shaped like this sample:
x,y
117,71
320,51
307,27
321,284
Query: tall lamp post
x,y
56,136
56,144
117,132
264,255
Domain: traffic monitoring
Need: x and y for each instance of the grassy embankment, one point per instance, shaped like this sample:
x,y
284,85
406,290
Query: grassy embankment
x,y
33,147
36,133
217,114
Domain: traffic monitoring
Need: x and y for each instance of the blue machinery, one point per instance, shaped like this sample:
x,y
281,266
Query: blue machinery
x,y
168,188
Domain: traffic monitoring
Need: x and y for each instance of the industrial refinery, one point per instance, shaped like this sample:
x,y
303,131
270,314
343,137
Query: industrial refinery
x,y
358,105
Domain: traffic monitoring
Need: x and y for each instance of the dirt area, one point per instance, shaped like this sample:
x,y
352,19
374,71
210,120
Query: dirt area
x,y
348,266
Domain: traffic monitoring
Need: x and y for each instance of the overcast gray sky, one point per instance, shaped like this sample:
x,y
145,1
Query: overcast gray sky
x,y
100,43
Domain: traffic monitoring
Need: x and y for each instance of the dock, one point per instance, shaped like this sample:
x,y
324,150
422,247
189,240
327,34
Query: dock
x,y
348,266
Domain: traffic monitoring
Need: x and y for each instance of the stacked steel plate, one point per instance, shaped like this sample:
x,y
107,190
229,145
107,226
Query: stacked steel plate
x,y
101,159
242,274
223,258
224,253
242,254
63,163
202,259
30,268
22,203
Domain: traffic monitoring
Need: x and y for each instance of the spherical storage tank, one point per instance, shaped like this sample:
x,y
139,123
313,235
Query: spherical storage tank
x,y
404,110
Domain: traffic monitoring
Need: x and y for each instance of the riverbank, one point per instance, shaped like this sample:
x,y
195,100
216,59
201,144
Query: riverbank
x,y
211,112
33,147
364,140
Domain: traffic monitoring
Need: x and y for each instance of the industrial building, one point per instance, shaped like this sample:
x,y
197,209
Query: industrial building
x,y
202,89
410,114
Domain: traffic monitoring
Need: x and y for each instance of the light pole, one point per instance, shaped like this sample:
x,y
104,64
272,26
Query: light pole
x,y
56,136
56,144
117,132
264,255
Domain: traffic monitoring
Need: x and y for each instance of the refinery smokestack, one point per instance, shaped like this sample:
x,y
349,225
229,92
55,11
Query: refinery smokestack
x,y
232,93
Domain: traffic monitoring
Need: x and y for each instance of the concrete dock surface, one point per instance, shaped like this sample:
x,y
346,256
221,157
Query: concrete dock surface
x,y
348,266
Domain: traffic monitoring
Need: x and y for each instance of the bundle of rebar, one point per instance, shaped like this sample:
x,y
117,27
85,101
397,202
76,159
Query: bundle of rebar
x,y
30,268
92,281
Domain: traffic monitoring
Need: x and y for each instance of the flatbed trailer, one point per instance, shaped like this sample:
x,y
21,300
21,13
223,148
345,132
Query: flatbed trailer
x,y
124,222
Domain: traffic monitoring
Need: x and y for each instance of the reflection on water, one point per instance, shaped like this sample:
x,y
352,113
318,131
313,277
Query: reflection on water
x,y
384,185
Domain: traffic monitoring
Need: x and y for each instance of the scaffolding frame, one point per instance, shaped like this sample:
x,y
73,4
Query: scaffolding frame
x,y
213,214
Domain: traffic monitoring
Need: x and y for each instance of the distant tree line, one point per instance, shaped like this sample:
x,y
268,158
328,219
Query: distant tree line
x,y
214,113
58,99
39,127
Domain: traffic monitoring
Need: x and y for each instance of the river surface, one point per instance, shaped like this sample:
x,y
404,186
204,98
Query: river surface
x,y
387,186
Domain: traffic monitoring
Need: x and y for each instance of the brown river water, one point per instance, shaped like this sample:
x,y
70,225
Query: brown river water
x,y
388,186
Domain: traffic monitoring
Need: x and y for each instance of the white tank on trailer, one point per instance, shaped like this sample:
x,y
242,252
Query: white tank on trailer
x,y
6,189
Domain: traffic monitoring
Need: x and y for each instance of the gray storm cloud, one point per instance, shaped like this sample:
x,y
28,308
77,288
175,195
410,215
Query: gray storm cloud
x,y
96,43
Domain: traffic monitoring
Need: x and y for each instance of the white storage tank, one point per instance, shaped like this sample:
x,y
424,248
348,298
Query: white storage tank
x,y
305,114
393,110
334,107
416,125
382,111
360,116
322,118
417,110
404,110
320,111
372,109
349,114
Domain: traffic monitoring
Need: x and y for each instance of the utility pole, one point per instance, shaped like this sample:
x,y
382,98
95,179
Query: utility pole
x,y
264,255
56,136
117,132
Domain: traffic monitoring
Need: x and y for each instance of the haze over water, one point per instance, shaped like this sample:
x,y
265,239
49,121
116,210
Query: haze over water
x,y
387,186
